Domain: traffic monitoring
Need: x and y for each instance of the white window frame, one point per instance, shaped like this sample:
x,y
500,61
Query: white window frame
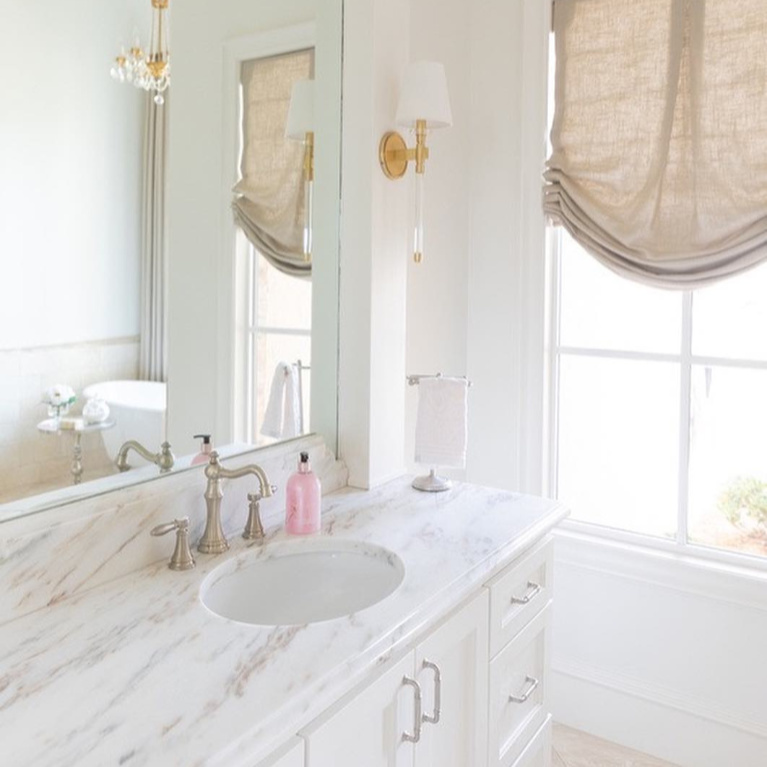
x,y
686,360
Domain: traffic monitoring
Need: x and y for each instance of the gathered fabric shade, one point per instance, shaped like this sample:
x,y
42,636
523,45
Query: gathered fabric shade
x,y
659,140
269,198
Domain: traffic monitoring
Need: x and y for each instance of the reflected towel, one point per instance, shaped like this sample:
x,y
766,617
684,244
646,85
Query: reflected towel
x,y
282,419
441,426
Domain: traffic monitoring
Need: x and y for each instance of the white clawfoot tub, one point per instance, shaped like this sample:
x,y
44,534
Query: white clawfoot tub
x,y
138,409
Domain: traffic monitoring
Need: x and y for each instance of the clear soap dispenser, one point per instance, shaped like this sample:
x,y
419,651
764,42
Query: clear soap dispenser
x,y
303,500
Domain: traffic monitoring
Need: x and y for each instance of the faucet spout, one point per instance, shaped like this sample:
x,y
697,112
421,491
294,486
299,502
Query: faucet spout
x,y
164,459
213,540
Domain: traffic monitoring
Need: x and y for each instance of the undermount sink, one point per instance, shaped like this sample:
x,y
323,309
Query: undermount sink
x,y
292,583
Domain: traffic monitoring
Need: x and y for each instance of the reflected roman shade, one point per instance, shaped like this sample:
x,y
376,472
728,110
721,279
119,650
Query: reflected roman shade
x,y
659,140
269,198
153,346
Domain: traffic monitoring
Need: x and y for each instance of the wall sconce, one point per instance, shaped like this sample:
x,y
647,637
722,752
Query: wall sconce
x,y
300,127
424,104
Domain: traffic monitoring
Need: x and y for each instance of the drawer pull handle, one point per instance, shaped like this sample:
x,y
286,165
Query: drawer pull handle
x,y
434,718
534,590
531,685
417,715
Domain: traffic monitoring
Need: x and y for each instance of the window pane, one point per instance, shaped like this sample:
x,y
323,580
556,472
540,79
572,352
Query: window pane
x,y
730,318
728,459
618,442
271,349
600,310
283,301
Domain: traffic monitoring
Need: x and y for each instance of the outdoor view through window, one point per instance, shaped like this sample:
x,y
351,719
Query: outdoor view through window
x,y
662,405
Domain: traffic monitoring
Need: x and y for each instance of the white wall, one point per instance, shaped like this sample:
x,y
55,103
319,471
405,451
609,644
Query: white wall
x,y
201,322
373,247
437,289
661,654
70,173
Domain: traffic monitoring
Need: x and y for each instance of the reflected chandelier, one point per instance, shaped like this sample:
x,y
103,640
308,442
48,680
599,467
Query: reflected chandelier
x,y
149,71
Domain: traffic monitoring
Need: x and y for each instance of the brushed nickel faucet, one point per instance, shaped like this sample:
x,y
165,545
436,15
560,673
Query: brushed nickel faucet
x,y
182,558
213,540
164,459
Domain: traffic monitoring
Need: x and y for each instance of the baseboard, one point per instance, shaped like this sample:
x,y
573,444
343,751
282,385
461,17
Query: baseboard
x,y
658,721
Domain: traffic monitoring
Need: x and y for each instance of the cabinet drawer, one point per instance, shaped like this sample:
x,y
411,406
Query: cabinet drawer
x,y
518,678
518,594
538,752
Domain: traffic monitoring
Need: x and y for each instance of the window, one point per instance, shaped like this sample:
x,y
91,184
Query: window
x,y
660,405
279,330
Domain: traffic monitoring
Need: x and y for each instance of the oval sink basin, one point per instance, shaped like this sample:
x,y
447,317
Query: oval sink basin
x,y
307,581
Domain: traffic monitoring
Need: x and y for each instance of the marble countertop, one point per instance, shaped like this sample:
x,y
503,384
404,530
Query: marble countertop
x,y
138,672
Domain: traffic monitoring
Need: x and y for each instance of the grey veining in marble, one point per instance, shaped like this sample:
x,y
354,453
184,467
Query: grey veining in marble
x,y
138,672
48,557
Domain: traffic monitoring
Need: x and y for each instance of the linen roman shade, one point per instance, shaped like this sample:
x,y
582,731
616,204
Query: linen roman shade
x,y
269,198
659,139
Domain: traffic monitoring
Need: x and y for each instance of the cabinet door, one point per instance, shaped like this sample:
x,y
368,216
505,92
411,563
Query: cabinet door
x,y
452,669
367,731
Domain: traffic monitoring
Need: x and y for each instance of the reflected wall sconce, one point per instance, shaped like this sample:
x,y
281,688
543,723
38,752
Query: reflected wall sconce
x,y
300,127
424,104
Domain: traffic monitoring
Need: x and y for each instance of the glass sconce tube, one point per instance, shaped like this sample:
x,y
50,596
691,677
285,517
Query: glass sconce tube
x,y
418,229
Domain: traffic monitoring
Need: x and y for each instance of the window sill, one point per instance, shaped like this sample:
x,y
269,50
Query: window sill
x,y
731,578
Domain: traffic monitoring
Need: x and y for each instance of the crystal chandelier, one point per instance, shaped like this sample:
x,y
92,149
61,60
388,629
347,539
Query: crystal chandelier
x,y
150,71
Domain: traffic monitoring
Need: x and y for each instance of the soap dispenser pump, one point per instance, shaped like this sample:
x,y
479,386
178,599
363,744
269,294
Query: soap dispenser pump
x,y
206,448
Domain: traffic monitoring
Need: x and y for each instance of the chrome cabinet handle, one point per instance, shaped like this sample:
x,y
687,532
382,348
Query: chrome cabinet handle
x,y
434,718
535,589
417,716
531,686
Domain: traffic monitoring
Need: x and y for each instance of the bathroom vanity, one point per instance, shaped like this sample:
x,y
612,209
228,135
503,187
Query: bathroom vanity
x,y
449,669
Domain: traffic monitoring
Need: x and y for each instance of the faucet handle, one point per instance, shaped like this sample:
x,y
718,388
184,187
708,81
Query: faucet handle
x,y
165,458
182,558
254,530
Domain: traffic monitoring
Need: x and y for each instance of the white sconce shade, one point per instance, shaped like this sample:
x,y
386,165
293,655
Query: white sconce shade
x,y
301,112
424,96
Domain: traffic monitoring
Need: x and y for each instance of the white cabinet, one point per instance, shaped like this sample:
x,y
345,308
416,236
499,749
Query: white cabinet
x,y
429,710
368,730
537,752
452,665
518,678
471,694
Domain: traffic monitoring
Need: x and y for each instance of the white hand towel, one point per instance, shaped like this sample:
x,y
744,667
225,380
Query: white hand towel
x,y
291,424
282,418
441,426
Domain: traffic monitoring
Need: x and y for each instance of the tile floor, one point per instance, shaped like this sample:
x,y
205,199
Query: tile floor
x,y
573,748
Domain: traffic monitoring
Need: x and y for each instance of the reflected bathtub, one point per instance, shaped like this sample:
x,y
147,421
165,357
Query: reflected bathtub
x,y
138,409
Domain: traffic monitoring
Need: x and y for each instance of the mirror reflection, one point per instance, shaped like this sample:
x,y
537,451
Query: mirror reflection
x,y
97,369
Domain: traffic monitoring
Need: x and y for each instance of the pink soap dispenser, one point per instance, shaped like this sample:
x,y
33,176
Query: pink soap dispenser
x,y
303,500
205,450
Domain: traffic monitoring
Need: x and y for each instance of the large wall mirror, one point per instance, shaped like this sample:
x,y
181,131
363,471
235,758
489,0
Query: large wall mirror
x,y
170,260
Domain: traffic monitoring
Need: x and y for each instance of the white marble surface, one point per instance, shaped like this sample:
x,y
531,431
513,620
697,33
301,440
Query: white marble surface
x,y
48,557
137,672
